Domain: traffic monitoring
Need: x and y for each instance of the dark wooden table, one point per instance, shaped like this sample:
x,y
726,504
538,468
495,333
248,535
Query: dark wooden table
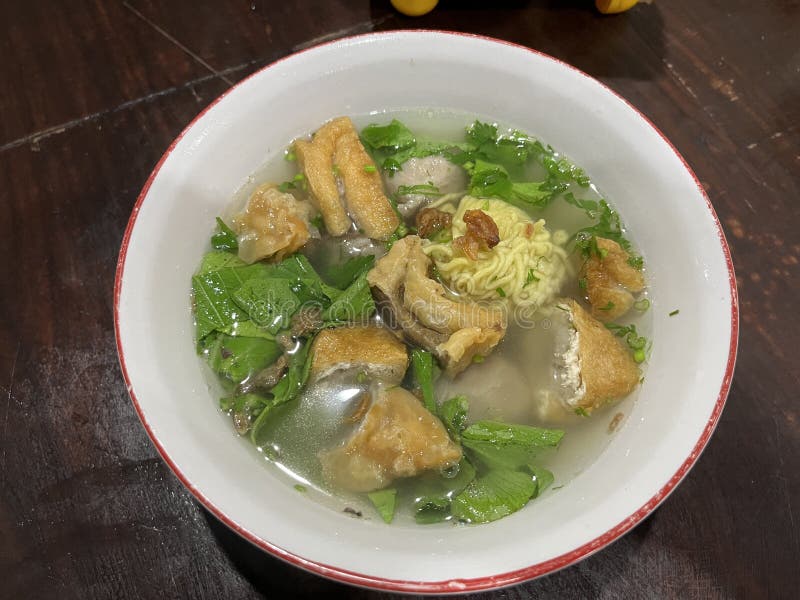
x,y
91,94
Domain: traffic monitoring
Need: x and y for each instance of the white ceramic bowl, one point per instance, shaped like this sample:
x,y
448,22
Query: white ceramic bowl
x,y
658,196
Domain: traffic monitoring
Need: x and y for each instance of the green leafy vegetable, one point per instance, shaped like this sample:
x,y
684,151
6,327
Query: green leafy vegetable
x,y
493,496
542,477
214,306
422,366
353,304
394,136
384,502
224,238
503,445
238,357
269,303
219,259
342,275
453,413
288,388
434,493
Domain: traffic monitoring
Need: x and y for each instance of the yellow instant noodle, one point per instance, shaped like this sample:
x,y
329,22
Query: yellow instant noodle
x,y
526,268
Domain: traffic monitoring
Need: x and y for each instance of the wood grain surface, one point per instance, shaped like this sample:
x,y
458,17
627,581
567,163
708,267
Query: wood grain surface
x,y
93,92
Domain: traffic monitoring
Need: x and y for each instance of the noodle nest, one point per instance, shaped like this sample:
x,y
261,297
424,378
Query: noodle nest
x,y
527,268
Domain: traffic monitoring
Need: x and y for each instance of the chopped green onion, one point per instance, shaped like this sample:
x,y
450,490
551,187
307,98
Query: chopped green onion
x,y
583,283
361,377
642,305
290,156
636,261
608,306
530,278
335,170
639,356
501,292
370,169
581,412
478,358
300,488
674,312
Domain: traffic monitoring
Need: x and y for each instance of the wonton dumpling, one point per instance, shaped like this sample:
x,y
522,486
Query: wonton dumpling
x,y
272,224
397,438
610,281
595,368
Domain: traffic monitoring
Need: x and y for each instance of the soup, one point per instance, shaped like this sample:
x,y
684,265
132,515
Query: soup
x,y
418,321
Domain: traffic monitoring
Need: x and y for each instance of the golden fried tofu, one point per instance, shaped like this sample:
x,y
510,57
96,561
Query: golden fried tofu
x,y
371,349
273,224
610,281
367,204
315,159
397,438
453,330
465,344
595,368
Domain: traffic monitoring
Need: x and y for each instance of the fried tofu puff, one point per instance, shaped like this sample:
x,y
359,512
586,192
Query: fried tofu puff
x,y
336,152
610,280
397,438
370,349
592,366
367,204
315,159
273,224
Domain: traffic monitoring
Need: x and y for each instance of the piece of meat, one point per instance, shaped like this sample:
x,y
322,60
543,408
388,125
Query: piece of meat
x,y
610,280
315,159
267,378
305,321
273,224
430,221
368,206
397,438
435,171
371,349
594,368
410,300
482,234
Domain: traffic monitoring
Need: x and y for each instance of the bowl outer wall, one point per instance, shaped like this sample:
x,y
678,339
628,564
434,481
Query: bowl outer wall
x,y
672,222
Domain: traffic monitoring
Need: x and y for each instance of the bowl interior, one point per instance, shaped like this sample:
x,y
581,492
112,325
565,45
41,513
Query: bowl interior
x,y
628,160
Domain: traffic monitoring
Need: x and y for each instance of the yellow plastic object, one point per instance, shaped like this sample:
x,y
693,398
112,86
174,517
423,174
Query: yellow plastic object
x,y
415,8
609,7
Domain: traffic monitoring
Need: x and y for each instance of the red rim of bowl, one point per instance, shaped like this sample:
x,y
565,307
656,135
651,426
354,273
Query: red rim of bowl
x,y
452,585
